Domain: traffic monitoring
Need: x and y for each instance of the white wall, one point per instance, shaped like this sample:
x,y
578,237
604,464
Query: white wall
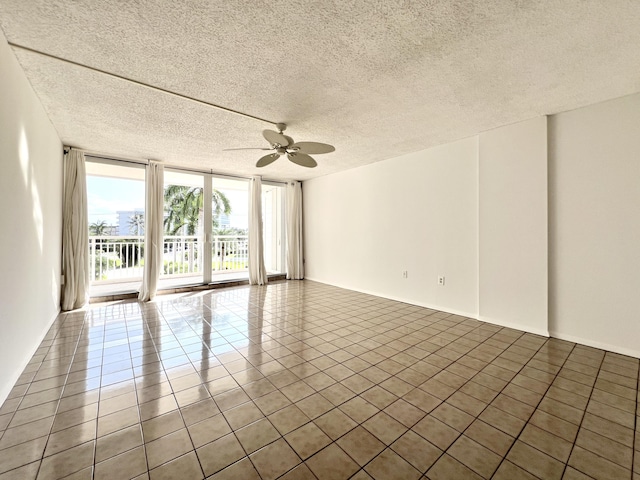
x,y
513,226
31,219
594,241
418,212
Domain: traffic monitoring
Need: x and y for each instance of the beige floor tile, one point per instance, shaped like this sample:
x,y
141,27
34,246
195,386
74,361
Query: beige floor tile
x,y
424,401
67,462
598,467
404,412
385,428
358,409
381,398
416,450
185,467
301,472
332,463
314,405
337,394
22,454
335,423
26,432
490,437
118,442
297,391
606,448
361,445
307,440
546,442
71,437
162,425
513,407
400,390
118,420
208,430
157,407
621,417
242,469
447,468
509,471
220,454
452,416
257,435
274,460
126,465
288,419
478,458
242,415
535,462
272,402
26,472
168,447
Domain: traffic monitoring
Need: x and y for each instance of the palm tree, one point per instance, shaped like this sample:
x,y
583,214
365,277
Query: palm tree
x,y
136,224
98,228
184,207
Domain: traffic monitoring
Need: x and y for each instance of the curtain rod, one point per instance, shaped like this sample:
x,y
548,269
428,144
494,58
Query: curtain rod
x,y
182,169
142,84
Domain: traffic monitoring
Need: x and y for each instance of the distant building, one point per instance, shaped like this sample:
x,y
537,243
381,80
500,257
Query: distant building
x,y
224,221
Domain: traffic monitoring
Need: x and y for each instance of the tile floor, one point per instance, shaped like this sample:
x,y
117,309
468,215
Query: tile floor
x,y
300,380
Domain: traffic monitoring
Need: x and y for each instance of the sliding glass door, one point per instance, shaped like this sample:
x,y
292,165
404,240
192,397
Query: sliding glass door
x,y
115,202
273,198
206,226
184,229
229,242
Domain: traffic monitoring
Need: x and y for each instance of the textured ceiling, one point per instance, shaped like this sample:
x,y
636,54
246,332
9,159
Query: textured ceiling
x,y
377,79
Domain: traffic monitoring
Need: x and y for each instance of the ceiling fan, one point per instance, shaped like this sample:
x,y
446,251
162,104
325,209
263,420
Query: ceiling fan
x,y
297,152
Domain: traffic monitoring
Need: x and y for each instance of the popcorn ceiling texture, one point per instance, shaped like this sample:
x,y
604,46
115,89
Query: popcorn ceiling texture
x,y
377,79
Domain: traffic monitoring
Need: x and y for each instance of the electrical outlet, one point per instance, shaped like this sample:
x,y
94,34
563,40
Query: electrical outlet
x,y
441,281
405,274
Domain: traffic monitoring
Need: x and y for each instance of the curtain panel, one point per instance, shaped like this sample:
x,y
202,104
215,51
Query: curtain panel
x,y
75,233
257,270
153,230
294,254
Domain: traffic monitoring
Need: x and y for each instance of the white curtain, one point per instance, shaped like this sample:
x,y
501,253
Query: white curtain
x,y
295,258
75,233
153,231
257,270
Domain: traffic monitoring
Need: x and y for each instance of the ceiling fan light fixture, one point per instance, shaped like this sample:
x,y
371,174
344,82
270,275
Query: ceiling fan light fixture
x,y
297,153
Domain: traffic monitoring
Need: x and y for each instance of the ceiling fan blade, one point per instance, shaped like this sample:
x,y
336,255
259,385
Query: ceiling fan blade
x,y
267,159
313,147
275,138
257,148
302,159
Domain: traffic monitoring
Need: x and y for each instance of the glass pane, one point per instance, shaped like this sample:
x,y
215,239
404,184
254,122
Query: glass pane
x,y
230,206
184,229
115,198
273,227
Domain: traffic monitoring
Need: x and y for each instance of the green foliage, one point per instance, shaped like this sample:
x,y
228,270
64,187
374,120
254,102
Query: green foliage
x,y
107,262
184,207
98,228
231,262
175,267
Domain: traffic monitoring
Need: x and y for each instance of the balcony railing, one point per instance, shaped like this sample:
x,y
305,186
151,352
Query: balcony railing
x,y
121,258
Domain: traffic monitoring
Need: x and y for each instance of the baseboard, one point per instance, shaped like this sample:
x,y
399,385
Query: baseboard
x,y
400,299
630,352
516,326
10,383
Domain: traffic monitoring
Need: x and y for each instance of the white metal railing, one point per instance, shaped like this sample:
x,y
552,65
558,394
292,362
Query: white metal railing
x,y
121,258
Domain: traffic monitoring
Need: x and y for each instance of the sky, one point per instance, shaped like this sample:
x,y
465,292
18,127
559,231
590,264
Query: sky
x,y
107,195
